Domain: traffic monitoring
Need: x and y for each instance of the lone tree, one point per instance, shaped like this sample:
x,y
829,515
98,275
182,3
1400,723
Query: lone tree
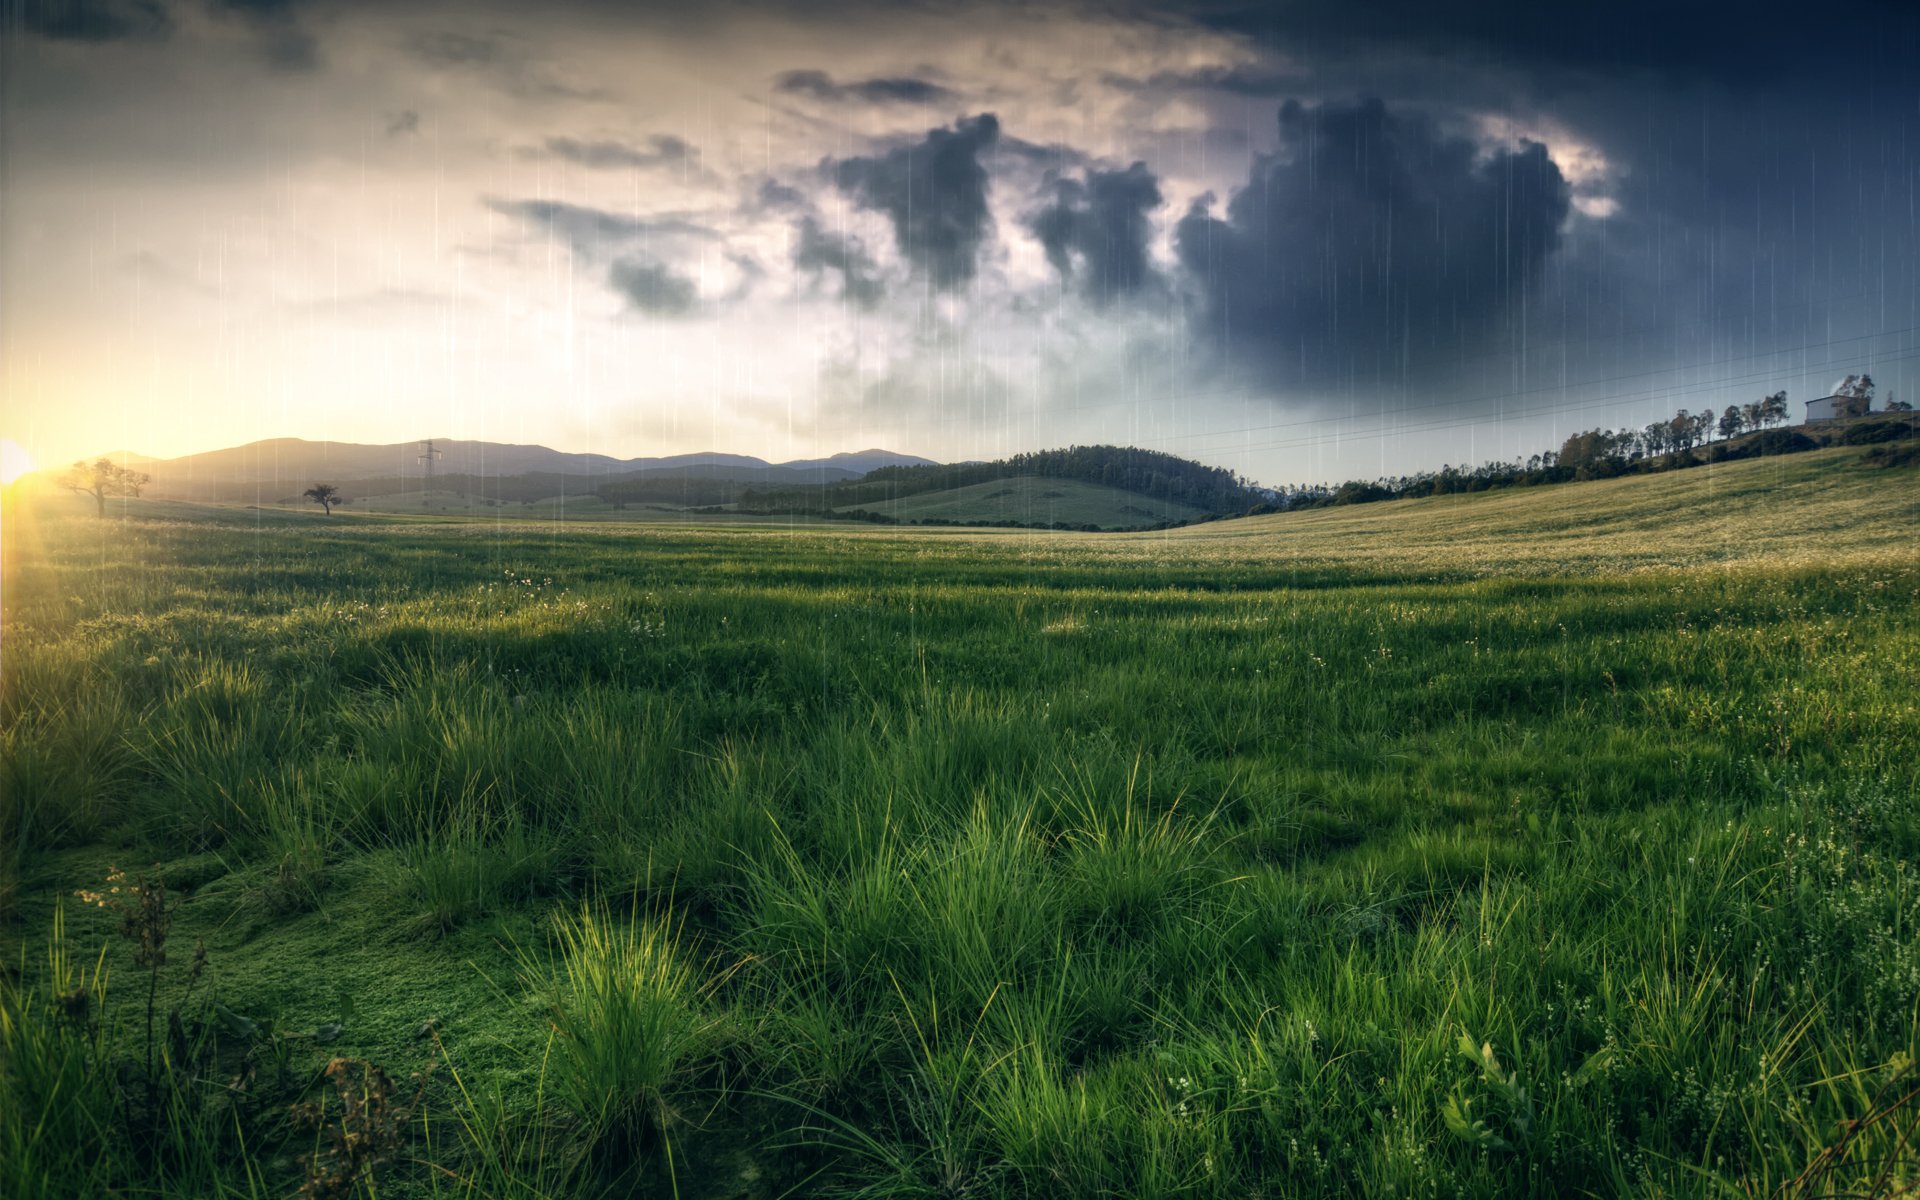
x,y
325,495
101,479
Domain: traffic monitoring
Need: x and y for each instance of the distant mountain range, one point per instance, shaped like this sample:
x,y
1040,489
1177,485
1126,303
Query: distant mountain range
x,y
282,462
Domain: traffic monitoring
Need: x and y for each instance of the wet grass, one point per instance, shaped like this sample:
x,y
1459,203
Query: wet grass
x,y
752,862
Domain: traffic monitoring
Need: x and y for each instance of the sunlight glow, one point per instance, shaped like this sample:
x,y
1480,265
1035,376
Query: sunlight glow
x,y
14,461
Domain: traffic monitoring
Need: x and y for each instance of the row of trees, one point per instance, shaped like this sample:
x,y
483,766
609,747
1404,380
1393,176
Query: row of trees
x,y
1602,453
1680,432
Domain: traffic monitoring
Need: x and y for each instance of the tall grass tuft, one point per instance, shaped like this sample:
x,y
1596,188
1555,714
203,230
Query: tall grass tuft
x,y
631,1019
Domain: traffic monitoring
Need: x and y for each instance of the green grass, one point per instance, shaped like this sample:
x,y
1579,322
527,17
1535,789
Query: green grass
x,y
1032,500
735,861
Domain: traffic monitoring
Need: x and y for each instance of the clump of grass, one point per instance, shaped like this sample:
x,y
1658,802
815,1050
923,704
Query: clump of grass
x,y
1128,868
468,870
631,1018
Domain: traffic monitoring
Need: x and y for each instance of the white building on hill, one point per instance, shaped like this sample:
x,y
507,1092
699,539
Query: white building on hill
x,y
1833,408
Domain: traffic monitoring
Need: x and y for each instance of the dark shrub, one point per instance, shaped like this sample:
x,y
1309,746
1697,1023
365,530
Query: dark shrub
x,y
1895,429
1769,443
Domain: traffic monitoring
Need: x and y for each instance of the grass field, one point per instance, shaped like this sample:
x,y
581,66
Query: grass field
x,y
1539,843
1032,500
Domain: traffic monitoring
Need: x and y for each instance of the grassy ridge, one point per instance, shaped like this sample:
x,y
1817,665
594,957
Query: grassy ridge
x,y
909,863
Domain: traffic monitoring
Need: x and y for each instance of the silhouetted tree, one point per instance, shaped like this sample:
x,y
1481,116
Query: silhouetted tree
x,y
325,495
101,479
1681,431
1732,422
1773,409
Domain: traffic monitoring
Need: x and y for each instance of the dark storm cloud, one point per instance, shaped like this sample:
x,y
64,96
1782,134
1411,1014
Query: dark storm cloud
x,y
98,20
817,251
592,229
1056,156
1096,231
276,27
660,150
934,191
1685,41
1371,248
652,288
1243,80
902,90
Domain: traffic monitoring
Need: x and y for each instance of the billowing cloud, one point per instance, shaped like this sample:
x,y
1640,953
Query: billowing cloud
x,y
1096,231
1369,246
934,191
817,251
897,90
632,248
653,288
97,20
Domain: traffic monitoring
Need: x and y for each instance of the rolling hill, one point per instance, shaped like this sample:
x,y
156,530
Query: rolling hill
x,y
1085,487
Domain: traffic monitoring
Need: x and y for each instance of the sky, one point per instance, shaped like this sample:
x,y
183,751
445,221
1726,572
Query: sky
x,y
1307,240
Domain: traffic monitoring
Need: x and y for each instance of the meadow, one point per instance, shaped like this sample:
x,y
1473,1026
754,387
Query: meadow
x,y
1033,500
1546,842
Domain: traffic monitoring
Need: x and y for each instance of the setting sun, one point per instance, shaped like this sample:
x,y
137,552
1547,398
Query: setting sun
x,y
14,461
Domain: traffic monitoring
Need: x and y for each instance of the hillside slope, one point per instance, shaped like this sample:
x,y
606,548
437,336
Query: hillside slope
x,y
1031,500
1825,506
